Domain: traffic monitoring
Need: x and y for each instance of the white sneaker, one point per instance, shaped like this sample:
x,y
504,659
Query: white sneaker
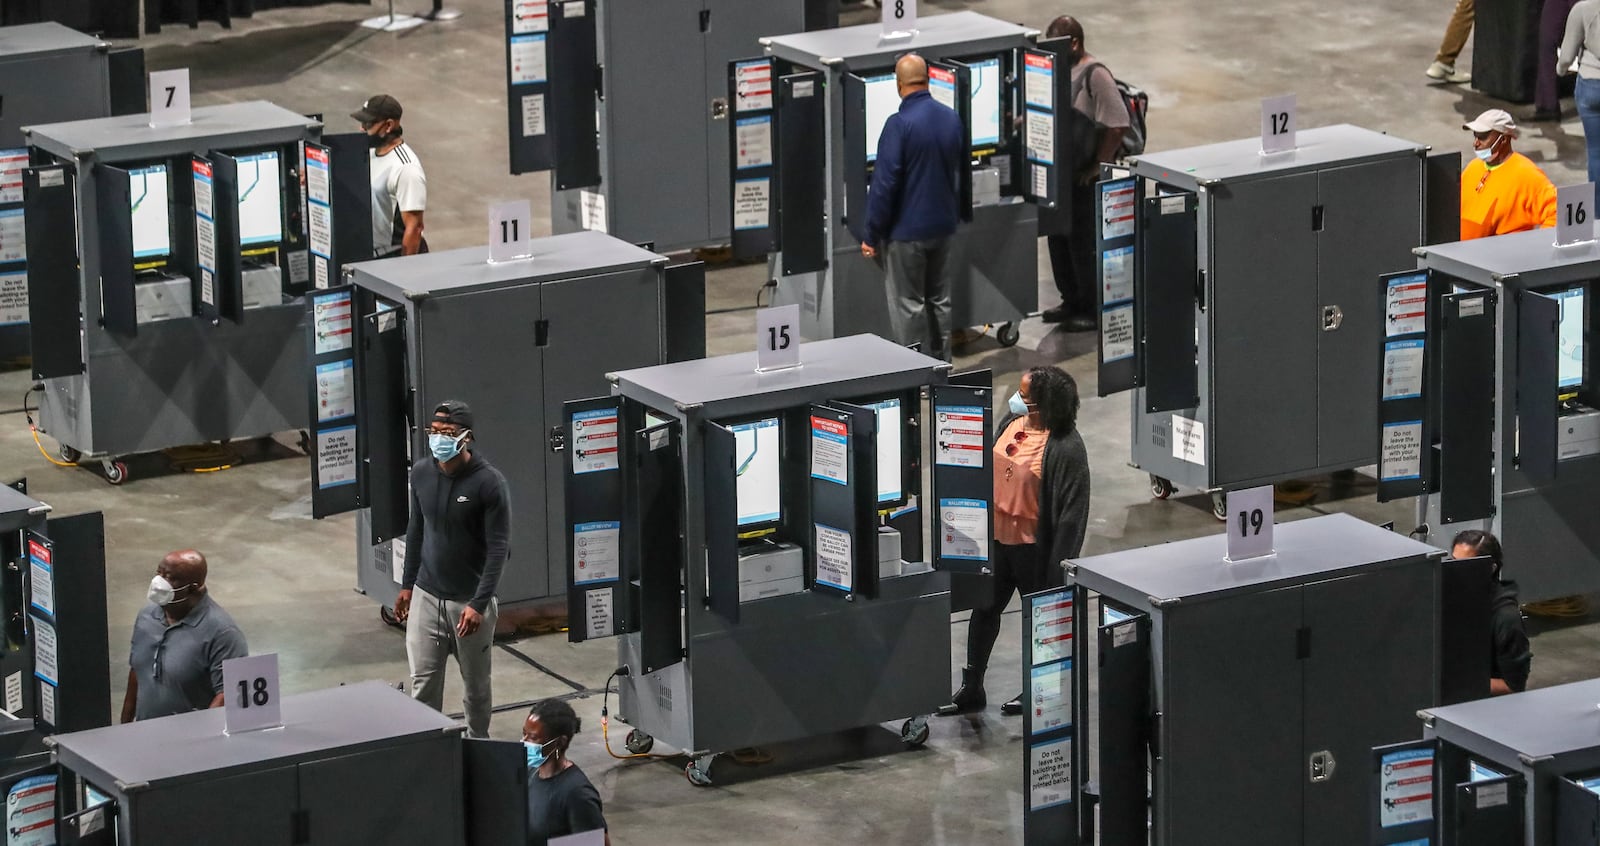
x,y
1447,73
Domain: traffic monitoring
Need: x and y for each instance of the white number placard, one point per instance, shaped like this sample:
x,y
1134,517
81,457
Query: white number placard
x,y
1277,124
169,97
250,693
1250,523
778,337
1574,214
510,235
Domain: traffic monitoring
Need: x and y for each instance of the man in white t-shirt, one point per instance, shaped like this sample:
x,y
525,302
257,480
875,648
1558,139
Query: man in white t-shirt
x,y
399,187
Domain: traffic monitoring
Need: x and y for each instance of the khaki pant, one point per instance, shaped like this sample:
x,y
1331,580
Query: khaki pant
x,y
1455,33
431,637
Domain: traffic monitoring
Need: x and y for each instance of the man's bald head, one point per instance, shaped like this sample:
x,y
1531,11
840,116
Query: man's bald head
x,y
184,567
1065,26
910,74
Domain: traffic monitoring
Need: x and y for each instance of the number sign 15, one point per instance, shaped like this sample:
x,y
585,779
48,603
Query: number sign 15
x,y
778,337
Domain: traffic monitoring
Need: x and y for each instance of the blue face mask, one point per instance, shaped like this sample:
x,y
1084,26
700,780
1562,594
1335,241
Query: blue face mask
x,y
1016,404
535,752
445,447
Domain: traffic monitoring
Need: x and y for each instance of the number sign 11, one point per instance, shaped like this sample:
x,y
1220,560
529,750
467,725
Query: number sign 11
x,y
1575,214
778,338
1277,124
1250,523
251,694
510,230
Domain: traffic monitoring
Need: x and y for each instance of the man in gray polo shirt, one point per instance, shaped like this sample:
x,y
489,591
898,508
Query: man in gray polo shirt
x,y
179,643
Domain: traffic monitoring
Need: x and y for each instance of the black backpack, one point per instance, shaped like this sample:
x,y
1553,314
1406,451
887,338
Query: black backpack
x,y
1138,105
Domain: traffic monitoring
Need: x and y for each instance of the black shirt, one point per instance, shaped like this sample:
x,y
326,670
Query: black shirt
x,y
460,531
563,804
1512,654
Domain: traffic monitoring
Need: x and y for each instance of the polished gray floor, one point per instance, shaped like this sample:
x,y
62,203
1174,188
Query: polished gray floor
x,y
288,579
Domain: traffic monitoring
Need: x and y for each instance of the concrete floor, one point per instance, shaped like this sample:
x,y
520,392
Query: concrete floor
x,y
288,579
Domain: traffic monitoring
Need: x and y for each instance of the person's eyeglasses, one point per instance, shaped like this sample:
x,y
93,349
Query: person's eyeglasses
x,y
449,431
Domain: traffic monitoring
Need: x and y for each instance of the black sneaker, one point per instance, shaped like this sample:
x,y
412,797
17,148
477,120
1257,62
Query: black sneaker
x,y
1054,315
1012,708
1080,323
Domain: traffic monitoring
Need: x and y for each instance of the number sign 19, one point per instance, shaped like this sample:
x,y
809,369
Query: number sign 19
x,y
1249,523
1277,124
778,338
1575,214
251,694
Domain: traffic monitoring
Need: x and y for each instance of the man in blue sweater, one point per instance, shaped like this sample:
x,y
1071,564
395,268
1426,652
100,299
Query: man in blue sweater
x,y
913,207
457,544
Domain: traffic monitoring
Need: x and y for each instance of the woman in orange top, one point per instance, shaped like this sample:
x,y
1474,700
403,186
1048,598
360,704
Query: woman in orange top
x,y
1041,514
1501,190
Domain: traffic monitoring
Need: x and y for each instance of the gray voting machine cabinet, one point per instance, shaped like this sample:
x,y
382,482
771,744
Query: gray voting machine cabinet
x,y
1237,304
165,265
48,73
1515,770
514,339
593,83
363,763
1252,692
1489,405
807,119
756,540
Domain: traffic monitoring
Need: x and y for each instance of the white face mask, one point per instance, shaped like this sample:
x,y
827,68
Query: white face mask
x,y
162,592
1487,153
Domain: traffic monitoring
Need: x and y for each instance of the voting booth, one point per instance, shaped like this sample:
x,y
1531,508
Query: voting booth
x,y
1236,300
165,267
755,539
1515,770
806,119
662,90
363,763
48,73
1242,698
1489,402
513,339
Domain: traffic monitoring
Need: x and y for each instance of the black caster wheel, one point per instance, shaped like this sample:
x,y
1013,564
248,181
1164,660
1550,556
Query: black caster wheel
x,y
1160,488
70,455
1219,506
1009,334
116,472
305,442
698,772
640,743
914,732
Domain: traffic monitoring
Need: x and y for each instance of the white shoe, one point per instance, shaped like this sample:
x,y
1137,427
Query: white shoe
x,y
1447,73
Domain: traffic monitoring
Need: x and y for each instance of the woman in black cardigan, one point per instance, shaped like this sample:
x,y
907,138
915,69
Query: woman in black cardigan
x,y
1041,514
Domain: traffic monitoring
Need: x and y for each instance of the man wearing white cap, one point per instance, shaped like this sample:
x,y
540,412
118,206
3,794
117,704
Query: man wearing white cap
x,y
1502,190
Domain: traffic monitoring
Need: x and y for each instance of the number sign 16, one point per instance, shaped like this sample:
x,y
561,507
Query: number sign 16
x,y
1575,214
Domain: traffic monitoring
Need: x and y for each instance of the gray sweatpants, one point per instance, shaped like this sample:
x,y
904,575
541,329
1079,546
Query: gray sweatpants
x,y
431,636
919,294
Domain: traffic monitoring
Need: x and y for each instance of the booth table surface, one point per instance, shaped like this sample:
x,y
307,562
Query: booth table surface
x,y
190,746
1539,723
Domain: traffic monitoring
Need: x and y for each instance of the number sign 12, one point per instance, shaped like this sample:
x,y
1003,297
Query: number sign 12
x,y
1574,214
778,338
251,694
1277,124
1250,523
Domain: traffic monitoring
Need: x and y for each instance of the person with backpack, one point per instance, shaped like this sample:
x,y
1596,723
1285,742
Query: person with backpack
x,y
1102,114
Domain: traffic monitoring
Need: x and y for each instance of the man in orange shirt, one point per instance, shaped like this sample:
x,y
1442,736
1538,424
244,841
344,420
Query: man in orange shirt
x,y
1501,190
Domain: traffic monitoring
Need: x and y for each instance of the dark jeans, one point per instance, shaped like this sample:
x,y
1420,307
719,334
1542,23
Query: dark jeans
x,y
1552,26
1072,256
1588,98
1016,569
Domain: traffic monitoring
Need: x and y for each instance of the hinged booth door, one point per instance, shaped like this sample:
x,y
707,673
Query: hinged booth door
x,y
721,520
383,414
963,478
842,464
574,77
55,295
1405,428
114,222
1465,435
802,172
599,589
653,534
753,148
337,471
1538,394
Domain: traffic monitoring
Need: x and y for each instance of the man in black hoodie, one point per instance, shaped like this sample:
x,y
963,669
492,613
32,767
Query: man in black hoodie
x,y
456,545
1510,655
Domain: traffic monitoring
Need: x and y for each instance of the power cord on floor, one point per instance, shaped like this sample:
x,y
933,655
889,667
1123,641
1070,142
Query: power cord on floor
x,y
605,719
27,414
1561,607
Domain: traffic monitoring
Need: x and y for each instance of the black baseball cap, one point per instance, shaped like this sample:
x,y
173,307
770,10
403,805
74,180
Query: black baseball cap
x,y
453,411
378,107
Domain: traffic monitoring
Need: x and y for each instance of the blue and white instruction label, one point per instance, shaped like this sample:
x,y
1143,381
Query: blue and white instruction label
x,y
964,529
596,552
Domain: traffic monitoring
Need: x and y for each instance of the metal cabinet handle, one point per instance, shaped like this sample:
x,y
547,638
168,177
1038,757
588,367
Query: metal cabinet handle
x,y
719,108
1332,318
1322,766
